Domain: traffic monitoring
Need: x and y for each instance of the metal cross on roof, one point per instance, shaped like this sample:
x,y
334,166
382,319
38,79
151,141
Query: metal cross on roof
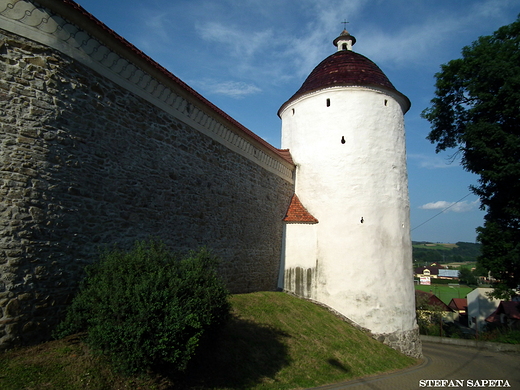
x,y
345,24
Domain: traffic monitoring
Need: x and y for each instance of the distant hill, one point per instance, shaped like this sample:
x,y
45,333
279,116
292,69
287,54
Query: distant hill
x,y
429,252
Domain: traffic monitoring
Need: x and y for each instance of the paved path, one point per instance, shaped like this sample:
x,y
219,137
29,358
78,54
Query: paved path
x,y
462,365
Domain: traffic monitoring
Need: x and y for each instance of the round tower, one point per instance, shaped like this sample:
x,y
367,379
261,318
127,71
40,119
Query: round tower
x,y
352,249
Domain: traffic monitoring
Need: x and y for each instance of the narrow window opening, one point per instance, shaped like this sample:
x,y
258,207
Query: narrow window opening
x,y
386,102
328,102
343,139
293,111
344,46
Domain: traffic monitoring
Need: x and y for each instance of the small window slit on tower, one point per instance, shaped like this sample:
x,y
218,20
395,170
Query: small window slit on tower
x,y
328,102
343,139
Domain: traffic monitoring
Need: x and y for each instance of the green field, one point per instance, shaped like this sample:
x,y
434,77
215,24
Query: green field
x,y
445,293
442,247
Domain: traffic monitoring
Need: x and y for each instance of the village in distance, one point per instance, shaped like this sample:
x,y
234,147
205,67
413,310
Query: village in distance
x,y
452,295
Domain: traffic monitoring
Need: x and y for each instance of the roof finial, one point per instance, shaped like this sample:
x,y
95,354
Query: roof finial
x,y
345,41
345,24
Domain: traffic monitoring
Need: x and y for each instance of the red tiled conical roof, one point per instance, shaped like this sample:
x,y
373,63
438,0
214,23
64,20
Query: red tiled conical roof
x,y
345,68
297,213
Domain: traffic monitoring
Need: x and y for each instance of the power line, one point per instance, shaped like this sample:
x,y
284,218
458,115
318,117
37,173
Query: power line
x,y
447,208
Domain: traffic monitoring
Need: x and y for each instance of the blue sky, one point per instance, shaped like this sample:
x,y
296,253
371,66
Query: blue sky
x,y
249,56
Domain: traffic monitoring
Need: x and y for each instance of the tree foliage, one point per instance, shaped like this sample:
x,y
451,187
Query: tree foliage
x,y
428,315
147,308
467,277
462,252
477,111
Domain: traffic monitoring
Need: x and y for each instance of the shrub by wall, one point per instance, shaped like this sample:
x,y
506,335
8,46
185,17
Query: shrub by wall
x,y
147,307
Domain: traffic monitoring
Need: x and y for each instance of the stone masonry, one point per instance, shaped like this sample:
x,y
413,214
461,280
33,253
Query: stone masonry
x,y
85,163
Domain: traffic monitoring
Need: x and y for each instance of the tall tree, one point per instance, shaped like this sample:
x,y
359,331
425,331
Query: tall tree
x,y
476,109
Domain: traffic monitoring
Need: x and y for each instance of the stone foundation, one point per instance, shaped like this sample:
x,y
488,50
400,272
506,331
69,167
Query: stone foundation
x,y
407,342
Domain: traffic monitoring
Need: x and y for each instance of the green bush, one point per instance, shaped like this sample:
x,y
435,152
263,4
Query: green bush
x,y
509,337
500,334
148,308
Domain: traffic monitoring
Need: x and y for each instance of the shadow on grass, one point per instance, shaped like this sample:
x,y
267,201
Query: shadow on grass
x,y
337,364
240,357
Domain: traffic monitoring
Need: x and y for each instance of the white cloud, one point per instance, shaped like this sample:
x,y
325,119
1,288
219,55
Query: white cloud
x,y
428,37
239,43
456,207
287,51
234,89
434,161
309,46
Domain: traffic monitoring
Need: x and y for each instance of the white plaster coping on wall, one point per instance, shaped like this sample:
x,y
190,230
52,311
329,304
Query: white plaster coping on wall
x,y
40,24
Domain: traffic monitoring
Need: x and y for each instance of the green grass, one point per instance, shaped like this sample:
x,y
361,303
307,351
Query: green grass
x,y
444,292
274,341
442,247
65,364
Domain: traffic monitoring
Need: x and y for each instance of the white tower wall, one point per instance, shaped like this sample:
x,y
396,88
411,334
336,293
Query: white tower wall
x,y
358,191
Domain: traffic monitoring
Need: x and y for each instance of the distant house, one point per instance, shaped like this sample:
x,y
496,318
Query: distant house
x,y
480,307
460,307
487,279
507,313
448,273
427,304
430,272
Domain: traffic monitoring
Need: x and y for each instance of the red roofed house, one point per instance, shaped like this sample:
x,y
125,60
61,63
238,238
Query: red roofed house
x,y
428,304
431,272
460,306
507,313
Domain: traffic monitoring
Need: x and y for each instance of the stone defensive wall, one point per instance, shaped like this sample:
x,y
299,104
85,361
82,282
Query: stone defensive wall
x,y
100,145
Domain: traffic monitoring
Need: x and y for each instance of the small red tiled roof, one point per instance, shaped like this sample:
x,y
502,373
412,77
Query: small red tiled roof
x,y
297,213
511,309
459,303
344,68
286,154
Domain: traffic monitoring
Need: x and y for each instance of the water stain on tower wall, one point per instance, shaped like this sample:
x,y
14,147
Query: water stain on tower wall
x,y
301,281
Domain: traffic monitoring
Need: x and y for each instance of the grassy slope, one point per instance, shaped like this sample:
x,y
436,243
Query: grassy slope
x,y
274,341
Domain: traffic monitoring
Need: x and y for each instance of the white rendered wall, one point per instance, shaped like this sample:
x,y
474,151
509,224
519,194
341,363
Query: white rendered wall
x,y
480,306
364,268
299,260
